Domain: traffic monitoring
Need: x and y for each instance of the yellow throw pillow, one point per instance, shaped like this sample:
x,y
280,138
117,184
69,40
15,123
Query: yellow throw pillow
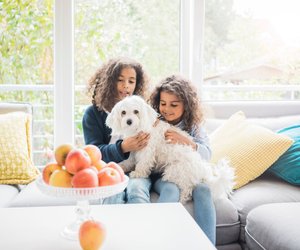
x,y
16,166
251,149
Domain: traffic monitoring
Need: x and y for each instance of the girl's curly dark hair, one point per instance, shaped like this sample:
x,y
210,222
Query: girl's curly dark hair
x,y
102,86
187,93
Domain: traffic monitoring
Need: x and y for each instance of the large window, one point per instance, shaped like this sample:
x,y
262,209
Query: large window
x,y
252,50
26,65
49,49
143,30
233,49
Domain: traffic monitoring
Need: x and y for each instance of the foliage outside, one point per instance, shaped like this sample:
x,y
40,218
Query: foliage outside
x,y
145,30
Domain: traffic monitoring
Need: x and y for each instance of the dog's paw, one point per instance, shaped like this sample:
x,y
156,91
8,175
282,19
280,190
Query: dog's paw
x,y
185,196
136,174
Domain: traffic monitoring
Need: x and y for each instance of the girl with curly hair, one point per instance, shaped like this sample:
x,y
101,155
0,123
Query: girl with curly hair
x,y
177,102
113,81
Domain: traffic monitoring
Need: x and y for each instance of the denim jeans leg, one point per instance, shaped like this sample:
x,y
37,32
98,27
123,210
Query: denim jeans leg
x,y
168,191
115,199
138,190
204,210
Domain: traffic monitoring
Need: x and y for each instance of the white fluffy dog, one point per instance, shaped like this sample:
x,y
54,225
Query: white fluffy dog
x,y
179,164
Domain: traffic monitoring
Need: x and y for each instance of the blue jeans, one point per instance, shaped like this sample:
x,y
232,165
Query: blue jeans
x,y
204,211
168,191
138,190
115,199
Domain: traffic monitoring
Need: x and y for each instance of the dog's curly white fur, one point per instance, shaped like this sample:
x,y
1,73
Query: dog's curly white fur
x,y
179,164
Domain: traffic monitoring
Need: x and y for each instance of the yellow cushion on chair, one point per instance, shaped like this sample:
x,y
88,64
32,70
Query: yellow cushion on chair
x,y
251,149
16,166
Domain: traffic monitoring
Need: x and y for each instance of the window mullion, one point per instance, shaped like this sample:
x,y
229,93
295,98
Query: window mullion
x,y
63,73
191,45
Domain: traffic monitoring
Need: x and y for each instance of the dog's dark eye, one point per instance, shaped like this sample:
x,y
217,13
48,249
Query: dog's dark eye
x,y
123,112
135,112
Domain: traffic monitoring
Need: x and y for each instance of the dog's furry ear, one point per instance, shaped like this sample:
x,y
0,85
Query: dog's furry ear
x,y
113,121
149,118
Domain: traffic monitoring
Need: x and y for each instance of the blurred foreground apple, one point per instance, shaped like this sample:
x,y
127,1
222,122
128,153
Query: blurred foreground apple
x,y
92,234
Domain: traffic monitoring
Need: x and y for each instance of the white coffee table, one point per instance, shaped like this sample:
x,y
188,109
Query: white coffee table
x,y
140,226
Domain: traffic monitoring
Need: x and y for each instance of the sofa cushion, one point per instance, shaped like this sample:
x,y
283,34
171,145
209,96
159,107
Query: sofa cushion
x,y
7,194
268,229
264,190
287,166
15,149
272,123
233,246
250,148
228,224
227,218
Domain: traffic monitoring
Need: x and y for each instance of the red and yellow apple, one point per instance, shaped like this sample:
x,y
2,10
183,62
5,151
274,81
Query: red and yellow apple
x,y
49,169
92,234
61,152
93,152
109,176
60,178
94,168
77,159
86,177
100,165
118,168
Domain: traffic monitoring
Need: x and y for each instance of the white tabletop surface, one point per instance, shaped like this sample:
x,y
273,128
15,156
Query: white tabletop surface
x,y
140,226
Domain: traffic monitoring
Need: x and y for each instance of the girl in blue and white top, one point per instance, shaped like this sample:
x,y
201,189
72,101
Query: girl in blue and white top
x,y
177,101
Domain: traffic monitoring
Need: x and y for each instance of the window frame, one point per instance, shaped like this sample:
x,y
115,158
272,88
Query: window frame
x,y
191,37
63,72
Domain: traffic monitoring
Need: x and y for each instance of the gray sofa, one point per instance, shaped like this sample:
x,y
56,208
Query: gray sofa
x,y
263,214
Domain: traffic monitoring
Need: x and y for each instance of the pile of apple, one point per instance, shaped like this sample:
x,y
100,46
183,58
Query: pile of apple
x,y
81,168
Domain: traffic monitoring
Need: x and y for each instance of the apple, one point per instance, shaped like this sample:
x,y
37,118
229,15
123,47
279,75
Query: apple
x,y
109,176
92,234
61,152
100,165
86,177
60,178
94,153
49,169
118,168
94,168
76,160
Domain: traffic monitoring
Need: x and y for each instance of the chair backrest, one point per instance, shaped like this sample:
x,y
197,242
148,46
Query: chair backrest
x,y
7,107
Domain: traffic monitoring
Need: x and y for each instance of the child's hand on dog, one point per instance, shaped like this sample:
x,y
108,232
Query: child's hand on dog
x,y
135,143
173,137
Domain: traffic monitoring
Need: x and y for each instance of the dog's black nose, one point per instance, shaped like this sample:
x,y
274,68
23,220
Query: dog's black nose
x,y
129,122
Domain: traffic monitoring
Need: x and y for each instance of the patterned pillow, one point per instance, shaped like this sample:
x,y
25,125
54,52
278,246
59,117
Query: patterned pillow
x,y
16,166
251,148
